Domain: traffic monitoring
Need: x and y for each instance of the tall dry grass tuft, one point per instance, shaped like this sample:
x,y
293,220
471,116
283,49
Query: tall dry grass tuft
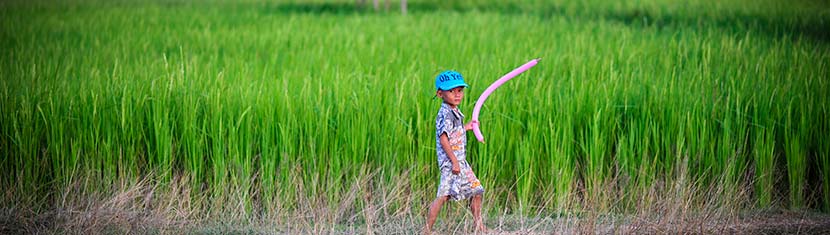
x,y
128,207
372,206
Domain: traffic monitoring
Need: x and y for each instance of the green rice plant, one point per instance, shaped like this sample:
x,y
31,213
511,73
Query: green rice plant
x,y
562,168
636,165
737,164
596,162
795,156
764,156
824,168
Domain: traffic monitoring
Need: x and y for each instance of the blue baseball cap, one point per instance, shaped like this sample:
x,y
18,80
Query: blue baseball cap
x,y
448,80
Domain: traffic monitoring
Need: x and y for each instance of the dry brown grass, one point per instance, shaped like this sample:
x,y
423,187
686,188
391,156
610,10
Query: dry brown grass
x,y
370,207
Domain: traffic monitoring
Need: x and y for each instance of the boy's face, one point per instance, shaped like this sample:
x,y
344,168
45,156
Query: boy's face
x,y
452,96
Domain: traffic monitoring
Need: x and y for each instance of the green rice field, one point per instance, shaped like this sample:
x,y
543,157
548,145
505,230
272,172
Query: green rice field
x,y
264,110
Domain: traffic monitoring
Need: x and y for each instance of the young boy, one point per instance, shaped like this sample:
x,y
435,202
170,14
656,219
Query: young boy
x,y
457,179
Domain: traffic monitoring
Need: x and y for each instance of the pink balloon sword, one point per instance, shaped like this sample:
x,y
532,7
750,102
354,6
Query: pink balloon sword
x,y
492,88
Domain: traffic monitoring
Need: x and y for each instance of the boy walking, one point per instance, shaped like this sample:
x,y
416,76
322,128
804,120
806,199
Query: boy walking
x,y
458,182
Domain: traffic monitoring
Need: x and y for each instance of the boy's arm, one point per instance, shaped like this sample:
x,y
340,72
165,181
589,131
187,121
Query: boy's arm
x,y
445,144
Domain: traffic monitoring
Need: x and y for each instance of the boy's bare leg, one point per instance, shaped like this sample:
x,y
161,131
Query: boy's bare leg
x,y
434,208
475,207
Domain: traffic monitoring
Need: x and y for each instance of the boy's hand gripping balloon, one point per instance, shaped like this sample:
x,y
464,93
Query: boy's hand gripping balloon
x,y
492,88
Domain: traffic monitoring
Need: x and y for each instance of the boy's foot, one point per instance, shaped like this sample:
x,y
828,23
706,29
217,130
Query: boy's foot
x,y
426,231
482,230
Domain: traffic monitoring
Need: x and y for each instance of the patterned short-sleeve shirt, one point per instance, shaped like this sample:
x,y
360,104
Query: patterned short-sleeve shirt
x,y
450,121
464,184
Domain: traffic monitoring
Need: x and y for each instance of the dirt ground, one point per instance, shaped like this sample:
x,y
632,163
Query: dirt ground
x,y
768,222
777,222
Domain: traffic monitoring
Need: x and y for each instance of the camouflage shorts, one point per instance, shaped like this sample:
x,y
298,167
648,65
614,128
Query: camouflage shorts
x,y
462,186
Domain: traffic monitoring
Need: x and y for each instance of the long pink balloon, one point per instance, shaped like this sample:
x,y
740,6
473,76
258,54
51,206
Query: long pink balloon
x,y
492,88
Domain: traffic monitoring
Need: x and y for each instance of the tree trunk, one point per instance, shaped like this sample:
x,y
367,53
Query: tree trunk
x,y
376,5
403,7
